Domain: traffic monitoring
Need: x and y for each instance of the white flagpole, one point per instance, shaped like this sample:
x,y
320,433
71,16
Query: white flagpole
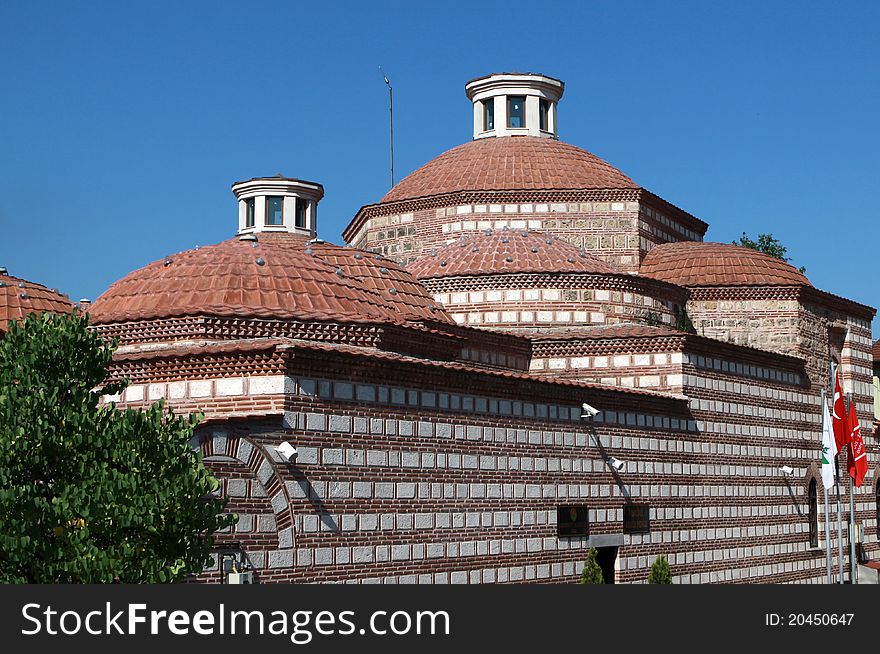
x,y
827,516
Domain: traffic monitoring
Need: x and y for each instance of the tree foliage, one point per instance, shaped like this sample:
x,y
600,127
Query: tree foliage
x,y
660,573
90,493
767,244
592,572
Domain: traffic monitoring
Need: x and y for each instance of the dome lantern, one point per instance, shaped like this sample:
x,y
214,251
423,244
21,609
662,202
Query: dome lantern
x,y
278,204
511,104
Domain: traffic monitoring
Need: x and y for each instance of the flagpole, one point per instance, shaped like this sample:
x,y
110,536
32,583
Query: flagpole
x,y
827,521
837,486
852,510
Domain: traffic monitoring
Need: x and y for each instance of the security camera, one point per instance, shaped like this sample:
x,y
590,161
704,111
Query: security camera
x,y
617,464
588,411
287,451
787,471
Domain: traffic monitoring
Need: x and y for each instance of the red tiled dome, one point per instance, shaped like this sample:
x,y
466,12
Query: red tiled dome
x,y
510,163
277,276
507,251
693,263
19,297
378,274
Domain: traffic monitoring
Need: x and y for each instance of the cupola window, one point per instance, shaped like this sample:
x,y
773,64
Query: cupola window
x,y
516,111
277,204
301,206
274,210
544,115
489,114
251,206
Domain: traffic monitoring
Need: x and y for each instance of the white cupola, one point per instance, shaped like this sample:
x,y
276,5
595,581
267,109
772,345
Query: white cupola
x,y
511,104
278,204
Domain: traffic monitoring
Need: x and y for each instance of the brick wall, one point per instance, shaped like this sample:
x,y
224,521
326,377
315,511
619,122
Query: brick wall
x,y
459,482
620,229
547,300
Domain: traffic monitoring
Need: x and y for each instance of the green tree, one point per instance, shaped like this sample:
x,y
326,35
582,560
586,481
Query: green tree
x,y
661,573
90,493
592,573
767,244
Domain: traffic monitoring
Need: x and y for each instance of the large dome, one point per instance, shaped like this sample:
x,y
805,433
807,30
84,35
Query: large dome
x,y
507,251
693,263
272,275
510,163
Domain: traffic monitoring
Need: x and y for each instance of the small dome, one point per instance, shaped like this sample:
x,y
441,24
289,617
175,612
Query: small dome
x,y
696,263
19,297
388,278
507,251
510,163
270,275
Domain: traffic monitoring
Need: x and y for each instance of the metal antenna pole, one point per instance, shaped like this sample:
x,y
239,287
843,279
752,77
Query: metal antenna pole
x,y
390,119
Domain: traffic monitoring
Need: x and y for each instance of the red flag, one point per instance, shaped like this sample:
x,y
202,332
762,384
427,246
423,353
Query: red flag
x,y
838,416
857,458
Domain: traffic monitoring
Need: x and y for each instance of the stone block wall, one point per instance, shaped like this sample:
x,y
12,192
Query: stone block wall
x,y
617,226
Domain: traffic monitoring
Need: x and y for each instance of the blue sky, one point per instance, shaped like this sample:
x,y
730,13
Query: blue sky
x,y
123,125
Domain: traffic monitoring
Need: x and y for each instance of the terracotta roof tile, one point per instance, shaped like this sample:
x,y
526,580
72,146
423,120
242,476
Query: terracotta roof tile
x,y
510,163
875,350
507,251
462,367
693,263
392,281
19,297
278,276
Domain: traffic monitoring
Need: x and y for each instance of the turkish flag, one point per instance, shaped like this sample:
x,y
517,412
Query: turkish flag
x,y
838,416
857,457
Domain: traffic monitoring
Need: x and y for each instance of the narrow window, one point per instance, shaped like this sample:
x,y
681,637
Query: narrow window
x,y
544,113
274,211
814,514
489,114
878,510
516,111
250,205
301,213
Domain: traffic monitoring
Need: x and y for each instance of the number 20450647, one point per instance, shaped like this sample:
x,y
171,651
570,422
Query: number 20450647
x,y
808,619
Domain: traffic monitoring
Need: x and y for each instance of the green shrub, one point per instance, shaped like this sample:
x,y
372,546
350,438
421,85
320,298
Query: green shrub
x,y
661,573
592,573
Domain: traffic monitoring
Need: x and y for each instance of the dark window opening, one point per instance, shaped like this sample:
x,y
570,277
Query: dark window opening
x,y
516,111
274,211
301,213
544,114
489,114
814,514
878,510
250,205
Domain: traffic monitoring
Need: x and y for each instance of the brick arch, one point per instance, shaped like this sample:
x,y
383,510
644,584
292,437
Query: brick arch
x,y
813,472
218,444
